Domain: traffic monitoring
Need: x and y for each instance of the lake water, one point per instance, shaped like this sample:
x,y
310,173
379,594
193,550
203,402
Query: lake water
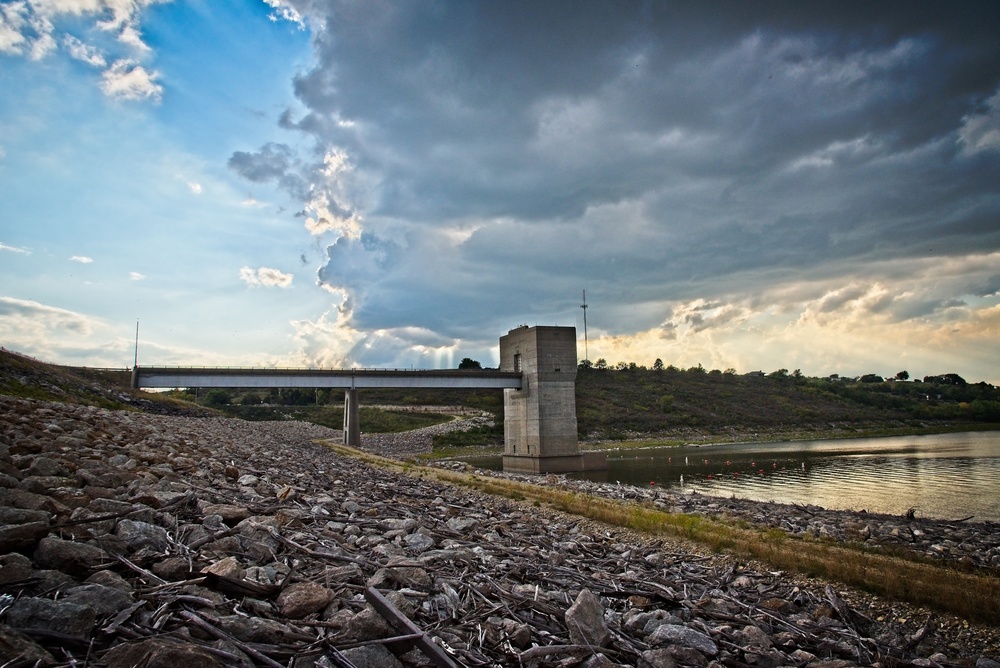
x,y
948,476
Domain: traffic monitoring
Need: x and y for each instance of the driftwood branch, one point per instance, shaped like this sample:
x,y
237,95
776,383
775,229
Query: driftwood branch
x,y
402,623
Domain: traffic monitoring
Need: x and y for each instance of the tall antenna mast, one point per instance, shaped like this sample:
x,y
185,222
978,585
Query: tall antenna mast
x,y
586,346
135,362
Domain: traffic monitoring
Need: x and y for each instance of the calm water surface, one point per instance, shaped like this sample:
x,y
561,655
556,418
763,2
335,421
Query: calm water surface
x,y
950,476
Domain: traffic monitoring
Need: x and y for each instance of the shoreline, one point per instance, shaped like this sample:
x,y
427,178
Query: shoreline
x,y
253,542
692,438
738,437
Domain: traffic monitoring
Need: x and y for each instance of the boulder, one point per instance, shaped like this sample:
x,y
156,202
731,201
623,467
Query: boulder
x,y
372,656
303,598
64,617
585,621
69,556
18,649
104,600
682,635
160,653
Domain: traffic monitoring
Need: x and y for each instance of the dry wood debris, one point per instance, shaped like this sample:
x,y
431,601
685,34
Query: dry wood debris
x,y
130,539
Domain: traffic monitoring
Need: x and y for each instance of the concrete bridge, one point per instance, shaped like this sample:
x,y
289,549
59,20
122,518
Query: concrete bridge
x,y
537,373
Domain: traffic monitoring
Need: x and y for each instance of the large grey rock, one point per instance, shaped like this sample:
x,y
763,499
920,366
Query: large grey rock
x,y
102,599
754,637
160,653
44,484
109,578
255,629
59,616
14,567
138,535
367,625
45,466
402,576
372,656
230,514
21,515
18,649
19,498
462,525
22,537
657,658
303,598
418,542
682,635
585,621
69,556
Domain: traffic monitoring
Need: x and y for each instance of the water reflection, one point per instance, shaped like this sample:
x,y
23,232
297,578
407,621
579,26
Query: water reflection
x,y
949,476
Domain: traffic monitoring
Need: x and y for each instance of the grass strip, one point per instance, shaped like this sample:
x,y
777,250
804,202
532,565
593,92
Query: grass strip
x,y
937,585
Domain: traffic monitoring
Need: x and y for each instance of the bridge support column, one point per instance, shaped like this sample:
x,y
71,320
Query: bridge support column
x,y
540,418
352,427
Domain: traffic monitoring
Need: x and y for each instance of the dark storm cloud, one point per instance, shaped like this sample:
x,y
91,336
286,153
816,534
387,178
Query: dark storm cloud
x,y
645,150
275,163
268,164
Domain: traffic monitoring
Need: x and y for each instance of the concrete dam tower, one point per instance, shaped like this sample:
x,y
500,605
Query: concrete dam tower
x,y
540,418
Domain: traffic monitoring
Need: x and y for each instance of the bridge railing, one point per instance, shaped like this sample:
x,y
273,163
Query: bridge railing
x,y
160,377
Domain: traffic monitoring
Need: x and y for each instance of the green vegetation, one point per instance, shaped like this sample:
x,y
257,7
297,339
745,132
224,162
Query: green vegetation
x,y
477,436
622,402
373,420
629,401
28,378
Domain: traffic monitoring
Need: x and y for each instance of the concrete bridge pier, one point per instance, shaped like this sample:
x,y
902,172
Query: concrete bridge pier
x,y
540,416
352,426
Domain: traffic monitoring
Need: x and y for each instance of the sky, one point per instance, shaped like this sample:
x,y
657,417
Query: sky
x,y
748,186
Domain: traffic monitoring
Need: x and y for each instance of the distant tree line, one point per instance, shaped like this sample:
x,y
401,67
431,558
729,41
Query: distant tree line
x,y
934,397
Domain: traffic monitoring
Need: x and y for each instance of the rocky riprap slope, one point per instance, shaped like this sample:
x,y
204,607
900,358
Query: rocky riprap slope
x,y
130,539
971,544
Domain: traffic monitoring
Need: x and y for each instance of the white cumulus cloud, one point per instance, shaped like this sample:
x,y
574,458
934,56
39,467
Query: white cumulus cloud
x,y
83,52
265,277
128,80
82,259
36,29
135,276
14,249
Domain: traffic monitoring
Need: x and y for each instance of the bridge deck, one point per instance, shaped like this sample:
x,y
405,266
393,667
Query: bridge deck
x,y
170,377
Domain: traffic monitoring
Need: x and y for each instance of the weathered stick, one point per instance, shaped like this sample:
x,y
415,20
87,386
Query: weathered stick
x,y
404,625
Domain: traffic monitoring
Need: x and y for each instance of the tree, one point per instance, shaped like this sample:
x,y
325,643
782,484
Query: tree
x,y
601,363
469,363
903,375
780,373
658,365
217,398
586,364
871,378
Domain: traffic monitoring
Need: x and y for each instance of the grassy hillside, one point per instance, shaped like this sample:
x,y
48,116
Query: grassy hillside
x,y
618,404
612,404
25,377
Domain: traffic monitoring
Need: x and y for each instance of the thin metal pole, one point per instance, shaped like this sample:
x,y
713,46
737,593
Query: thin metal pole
x,y
135,361
586,345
